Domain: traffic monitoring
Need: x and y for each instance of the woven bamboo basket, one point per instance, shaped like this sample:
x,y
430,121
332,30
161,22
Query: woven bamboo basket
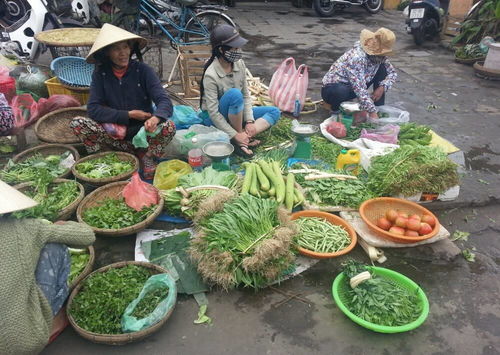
x,y
114,190
66,212
469,61
117,339
54,126
48,149
68,37
99,182
87,270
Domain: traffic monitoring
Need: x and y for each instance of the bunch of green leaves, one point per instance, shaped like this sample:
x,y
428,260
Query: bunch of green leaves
x,y
279,133
115,214
414,134
325,150
103,167
321,236
51,197
280,155
29,168
353,133
410,169
379,300
483,21
102,300
469,51
79,260
150,301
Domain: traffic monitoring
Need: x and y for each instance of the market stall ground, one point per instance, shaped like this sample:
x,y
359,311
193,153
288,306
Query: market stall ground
x,y
312,323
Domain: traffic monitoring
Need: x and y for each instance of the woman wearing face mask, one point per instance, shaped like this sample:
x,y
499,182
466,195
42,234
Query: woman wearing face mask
x,y
362,66
122,92
224,97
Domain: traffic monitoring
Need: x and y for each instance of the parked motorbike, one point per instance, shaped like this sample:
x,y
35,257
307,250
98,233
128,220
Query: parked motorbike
x,y
326,8
424,19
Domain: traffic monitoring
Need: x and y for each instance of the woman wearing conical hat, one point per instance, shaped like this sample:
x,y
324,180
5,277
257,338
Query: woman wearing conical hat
x,y
362,66
122,94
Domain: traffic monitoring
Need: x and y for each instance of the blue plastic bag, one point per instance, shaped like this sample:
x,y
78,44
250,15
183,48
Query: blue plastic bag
x,y
131,323
185,116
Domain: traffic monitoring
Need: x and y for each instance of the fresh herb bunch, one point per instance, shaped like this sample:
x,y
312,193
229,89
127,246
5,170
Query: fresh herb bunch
x,y
325,150
30,168
414,134
412,169
379,300
102,300
148,304
469,51
115,214
79,260
103,167
317,234
51,198
277,134
353,133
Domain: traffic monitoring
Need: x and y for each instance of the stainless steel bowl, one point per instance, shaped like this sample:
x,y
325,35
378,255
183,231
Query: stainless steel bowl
x,y
218,150
305,130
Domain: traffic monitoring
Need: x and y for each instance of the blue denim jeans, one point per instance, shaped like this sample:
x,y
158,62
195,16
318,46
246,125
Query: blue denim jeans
x,y
232,103
52,274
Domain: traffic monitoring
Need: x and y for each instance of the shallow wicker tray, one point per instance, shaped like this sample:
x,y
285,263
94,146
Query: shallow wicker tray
x,y
66,212
99,182
45,150
486,72
114,190
373,209
54,126
117,339
86,270
469,61
68,37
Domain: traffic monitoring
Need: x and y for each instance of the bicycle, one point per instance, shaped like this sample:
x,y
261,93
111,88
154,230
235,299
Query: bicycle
x,y
191,23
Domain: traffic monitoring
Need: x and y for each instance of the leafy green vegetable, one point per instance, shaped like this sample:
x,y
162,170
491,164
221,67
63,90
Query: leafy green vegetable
x,y
414,134
150,301
321,236
115,214
469,51
469,255
100,304
379,300
78,262
103,167
277,134
459,235
325,150
353,133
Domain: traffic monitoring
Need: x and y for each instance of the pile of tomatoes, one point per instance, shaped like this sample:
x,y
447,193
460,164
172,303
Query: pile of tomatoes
x,y
400,223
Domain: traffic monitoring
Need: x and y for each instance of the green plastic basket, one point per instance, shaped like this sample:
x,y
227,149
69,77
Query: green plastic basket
x,y
341,286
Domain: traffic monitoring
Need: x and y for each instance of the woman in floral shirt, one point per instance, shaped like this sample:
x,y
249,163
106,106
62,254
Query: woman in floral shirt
x,y
360,67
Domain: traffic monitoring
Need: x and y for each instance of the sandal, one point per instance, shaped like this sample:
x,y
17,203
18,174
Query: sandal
x,y
148,167
238,150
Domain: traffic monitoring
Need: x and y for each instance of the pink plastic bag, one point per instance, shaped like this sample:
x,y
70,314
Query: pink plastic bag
x,y
288,84
25,110
115,130
385,134
336,129
139,194
56,102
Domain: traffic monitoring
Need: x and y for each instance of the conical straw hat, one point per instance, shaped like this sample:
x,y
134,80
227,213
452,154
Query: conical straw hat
x,y
110,34
12,200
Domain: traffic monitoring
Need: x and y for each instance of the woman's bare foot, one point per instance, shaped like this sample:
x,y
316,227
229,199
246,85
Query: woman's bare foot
x,y
59,322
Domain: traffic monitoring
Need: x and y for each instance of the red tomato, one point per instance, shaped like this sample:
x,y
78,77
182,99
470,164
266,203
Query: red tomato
x,y
413,224
415,216
384,223
397,230
391,215
410,233
429,220
403,214
401,222
425,229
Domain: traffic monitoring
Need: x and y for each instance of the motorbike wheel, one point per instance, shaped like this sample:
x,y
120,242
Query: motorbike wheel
x,y
15,10
129,22
373,6
324,8
209,19
418,35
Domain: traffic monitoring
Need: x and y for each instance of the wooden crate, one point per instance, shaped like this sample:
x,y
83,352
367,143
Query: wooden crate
x,y
459,8
192,59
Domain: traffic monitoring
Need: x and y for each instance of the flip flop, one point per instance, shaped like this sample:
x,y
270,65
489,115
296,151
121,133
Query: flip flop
x,y
239,151
254,142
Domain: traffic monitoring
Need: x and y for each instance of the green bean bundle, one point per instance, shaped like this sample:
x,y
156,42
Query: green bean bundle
x,y
317,234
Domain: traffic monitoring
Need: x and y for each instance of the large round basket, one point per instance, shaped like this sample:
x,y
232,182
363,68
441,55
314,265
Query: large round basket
x,y
67,211
87,270
98,182
114,190
48,149
341,287
371,210
117,339
482,71
333,220
54,126
469,61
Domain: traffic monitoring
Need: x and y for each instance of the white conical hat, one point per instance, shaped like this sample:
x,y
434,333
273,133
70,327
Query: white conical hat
x,y
12,200
110,34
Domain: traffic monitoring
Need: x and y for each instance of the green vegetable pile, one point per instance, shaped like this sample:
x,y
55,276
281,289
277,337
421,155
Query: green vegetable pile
x,y
231,249
102,300
353,133
115,214
317,234
277,134
414,134
30,168
149,302
325,150
79,260
469,51
412,169
103,167
379,300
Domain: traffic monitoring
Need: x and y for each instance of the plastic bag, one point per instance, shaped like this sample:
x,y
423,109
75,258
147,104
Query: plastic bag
x,y
194,137
168,173
185,116
391,115
132,324
25,110
7,84
56,102
385,134
115,130
289,84
33,80
6,116
140,140
139,194
336,129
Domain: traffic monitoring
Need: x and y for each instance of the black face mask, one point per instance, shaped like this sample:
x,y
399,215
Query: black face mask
x,y
377,59
233,55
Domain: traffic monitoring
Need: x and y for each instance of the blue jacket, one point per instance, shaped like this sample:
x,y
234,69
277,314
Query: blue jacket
x,y
111,98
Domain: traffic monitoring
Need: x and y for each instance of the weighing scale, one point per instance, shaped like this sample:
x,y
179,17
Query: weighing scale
x,y
303,132
219,153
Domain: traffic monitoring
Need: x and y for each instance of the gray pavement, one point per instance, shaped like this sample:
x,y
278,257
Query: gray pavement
x,y
465,312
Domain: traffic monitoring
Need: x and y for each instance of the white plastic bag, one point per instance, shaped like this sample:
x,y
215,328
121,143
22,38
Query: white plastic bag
x,y
184,140
396,115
